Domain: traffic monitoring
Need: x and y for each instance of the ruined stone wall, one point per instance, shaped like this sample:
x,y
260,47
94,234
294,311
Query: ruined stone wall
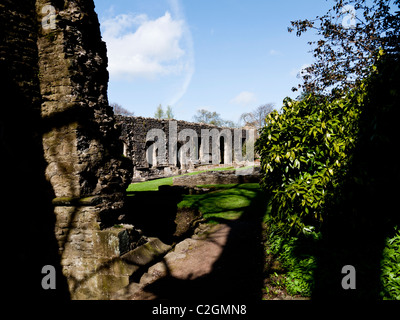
x,y
63,173
218,177
60,159
139,147
81,141
26,195
80,144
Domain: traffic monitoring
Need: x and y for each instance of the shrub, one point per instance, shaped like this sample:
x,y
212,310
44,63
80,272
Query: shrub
x,y
297,257
390,266
335,162
304,154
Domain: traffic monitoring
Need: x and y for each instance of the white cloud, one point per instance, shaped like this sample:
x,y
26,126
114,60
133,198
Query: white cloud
x,y
273,52
153,49
188,64
244,98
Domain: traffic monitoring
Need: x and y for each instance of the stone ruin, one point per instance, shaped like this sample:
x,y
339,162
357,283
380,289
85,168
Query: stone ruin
x,y
214,146
64,175
251,175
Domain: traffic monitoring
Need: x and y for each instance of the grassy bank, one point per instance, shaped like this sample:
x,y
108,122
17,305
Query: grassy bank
x,y
228,202
152,185
292,274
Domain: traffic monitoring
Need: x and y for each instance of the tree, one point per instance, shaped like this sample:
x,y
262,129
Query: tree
x,y
208,117
304,152
229,124
119,110
169,114
352,32
257,117
213,118
159,114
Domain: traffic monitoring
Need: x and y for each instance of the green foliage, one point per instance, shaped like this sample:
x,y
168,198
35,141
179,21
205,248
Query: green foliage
x,y
159,114
297,258
304,152
152,185
213,118
390,266
331,169
169,114
228,203
343,55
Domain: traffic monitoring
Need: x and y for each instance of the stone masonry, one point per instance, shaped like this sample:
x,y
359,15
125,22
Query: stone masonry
x,y
62,163
54,81
139,147
80,144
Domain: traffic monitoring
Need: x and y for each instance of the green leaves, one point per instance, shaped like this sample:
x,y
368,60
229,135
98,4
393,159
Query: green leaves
x,y
390,266
299,269
304,151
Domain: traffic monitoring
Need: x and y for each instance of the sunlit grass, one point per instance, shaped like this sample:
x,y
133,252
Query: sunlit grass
x,y
229,202
152,185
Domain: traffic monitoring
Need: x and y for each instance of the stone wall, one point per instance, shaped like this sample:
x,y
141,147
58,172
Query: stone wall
x,y
148,162
80,139
218,177
63,173
26,194
80,143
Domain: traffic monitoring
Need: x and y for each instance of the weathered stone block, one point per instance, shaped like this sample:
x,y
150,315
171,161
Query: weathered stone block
x,y
185,220
70,201
146,253
111,283
113,242
223,177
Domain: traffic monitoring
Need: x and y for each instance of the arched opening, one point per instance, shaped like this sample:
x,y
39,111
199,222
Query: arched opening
x,y
222,149
150,153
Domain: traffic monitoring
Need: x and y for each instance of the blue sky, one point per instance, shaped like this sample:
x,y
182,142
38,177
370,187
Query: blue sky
x,y
228,56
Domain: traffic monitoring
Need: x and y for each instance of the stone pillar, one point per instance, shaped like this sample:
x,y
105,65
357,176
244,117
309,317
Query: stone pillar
x,y
26,195
81,147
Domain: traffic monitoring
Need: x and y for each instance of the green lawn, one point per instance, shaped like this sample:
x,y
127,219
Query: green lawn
x,y
153,185
228,202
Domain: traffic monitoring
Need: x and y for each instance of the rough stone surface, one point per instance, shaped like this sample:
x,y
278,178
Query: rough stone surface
x,y
149,163
146,253
55,82
186,219
80,147
22,161
215,177
80,141
190,259
62,152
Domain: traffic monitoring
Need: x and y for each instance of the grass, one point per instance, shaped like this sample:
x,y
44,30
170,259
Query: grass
x,y
229,202
224,202
152,185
